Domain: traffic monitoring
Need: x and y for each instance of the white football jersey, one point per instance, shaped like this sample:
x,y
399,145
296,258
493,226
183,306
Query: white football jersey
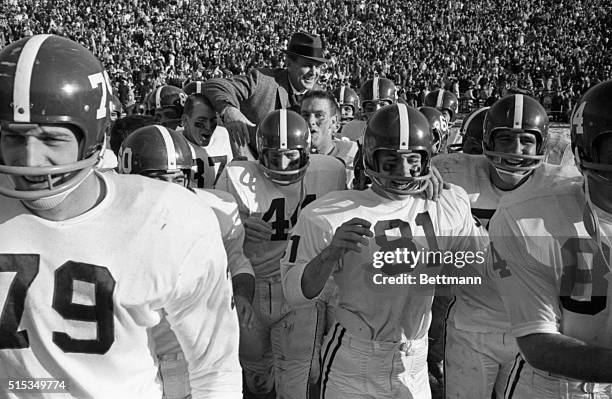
x,y
346,150
479,308
210,161
278,205
414,223
552,275
232,233
77,296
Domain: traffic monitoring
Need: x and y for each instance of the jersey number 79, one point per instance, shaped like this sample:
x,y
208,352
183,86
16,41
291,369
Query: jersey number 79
x,y
25,268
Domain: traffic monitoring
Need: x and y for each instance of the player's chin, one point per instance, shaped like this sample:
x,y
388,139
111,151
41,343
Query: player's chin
x,y
205,139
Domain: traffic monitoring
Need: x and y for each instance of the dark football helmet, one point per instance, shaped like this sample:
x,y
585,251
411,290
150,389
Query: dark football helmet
x,y
279,131
439,127
194,87
517,113
48,79
167,103
592,121
443,100
155,148
375,94
471,133
404,129
345,96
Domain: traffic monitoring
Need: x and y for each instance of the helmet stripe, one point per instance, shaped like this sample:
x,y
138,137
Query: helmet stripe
x,y
169,144
440,99
282,128
192,150
342,94
199,87
158,97
375,89
518,112
404,143
23,78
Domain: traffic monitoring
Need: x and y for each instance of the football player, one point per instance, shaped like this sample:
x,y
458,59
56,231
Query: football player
x,y
445,101
210,143
351,127
320,111
375,94
471,133
479,348
348,101
164,154
89,261
166,103
551,261
378,346
270,194
439,127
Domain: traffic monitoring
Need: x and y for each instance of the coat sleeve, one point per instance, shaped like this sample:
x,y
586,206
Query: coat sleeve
x,y
231,92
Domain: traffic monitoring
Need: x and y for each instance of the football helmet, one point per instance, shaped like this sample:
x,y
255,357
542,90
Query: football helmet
x,y
443,100
404,129
471,132
591,121
279,131
48,79
167,97
439,128
345,96
375,94
517,113
194,87
155,148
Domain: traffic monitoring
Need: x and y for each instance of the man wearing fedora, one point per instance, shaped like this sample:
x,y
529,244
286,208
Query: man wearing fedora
x,y
243,101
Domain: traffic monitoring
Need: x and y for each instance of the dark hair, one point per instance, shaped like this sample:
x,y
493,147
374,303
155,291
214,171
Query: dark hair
x,y
193,100
323,95
124,126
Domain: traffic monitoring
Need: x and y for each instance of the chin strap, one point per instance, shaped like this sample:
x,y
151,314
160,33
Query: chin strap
x,y
50,202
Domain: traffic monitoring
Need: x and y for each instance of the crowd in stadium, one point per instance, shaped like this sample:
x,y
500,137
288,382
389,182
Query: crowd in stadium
x,y
552,48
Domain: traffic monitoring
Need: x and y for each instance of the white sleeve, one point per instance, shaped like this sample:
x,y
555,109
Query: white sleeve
x,y
200,314
236,259
527,286
305,243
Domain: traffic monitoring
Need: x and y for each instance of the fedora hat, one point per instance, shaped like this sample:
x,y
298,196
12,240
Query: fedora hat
x,y
307,46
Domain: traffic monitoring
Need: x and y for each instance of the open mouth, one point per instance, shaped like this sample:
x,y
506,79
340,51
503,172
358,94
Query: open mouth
x,y
513,161
402,186
39,182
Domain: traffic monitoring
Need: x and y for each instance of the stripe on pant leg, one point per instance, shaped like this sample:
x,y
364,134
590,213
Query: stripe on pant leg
x,y
331,359
514,376
314,348
329,344
448,311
